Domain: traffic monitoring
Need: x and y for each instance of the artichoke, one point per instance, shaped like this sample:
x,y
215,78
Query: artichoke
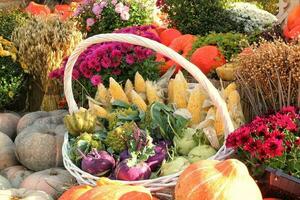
x,y
80,122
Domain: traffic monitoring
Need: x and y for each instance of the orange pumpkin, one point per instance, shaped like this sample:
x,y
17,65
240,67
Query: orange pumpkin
x,y
293,18
212,179
37,9
64,11
182,45
160,29
117,192
208,58
168,35
75,192
294,33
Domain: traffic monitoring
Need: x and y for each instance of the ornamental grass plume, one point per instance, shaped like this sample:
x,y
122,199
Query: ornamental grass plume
x,y
269,74
42,43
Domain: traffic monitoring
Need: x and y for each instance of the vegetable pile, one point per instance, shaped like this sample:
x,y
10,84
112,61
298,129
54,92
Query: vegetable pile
x,y
148,129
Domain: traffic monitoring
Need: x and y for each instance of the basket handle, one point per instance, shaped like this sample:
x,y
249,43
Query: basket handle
x,y
156,46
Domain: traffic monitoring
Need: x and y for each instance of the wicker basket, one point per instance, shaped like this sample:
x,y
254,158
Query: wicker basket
x,y
160,183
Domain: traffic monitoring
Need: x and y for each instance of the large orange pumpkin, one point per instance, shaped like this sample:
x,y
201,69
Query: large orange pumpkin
x,y
208,58
168,35
75,192
221,180
37,9
183,45
294,18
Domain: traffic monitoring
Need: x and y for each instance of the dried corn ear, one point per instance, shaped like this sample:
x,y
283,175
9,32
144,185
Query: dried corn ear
x,y
231,87
116,91
128,88
195,103
98,111
152,93
138,101
102,95
179,92
139,83
218,124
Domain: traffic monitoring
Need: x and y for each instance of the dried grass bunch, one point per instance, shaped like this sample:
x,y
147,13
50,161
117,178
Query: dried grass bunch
x,y
42,44
270,76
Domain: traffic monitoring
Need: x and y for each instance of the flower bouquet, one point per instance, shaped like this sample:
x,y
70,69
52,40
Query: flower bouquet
x,y
271,142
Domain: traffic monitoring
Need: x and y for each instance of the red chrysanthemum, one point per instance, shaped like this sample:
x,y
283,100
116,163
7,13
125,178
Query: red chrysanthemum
x,y
274,147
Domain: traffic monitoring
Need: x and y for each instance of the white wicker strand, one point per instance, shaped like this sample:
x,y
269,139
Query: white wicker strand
x,y
160,183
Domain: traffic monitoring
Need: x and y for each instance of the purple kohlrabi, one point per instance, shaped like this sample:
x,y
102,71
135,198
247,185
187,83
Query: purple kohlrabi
x,y
129,171
161,153
97,163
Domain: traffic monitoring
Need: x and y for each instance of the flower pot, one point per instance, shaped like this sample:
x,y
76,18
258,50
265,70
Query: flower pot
x,y
276,182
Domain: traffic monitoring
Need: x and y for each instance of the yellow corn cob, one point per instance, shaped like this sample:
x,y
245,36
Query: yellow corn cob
x,y
138,101
179,92
233,100
139,83
231,87
98,111
219,125
128,88
116,91
102,95
181,76
195,104
170,91
151,93
235,108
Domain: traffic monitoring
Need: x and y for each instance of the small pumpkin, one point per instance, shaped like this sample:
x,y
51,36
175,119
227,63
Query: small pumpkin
x,y
64,11
294,32
37,9
114,192
8,124
182,45
38,147
75,192
168,35
107,189
7,152
80,122
52,181
208,58
16,174
31,118
293,18
23,194
4,183
212,179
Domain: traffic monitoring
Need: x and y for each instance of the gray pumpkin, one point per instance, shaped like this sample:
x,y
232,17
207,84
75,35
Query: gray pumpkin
x,y
7,152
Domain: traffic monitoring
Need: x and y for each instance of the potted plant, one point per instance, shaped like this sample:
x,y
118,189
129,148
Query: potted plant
x,y
270,146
